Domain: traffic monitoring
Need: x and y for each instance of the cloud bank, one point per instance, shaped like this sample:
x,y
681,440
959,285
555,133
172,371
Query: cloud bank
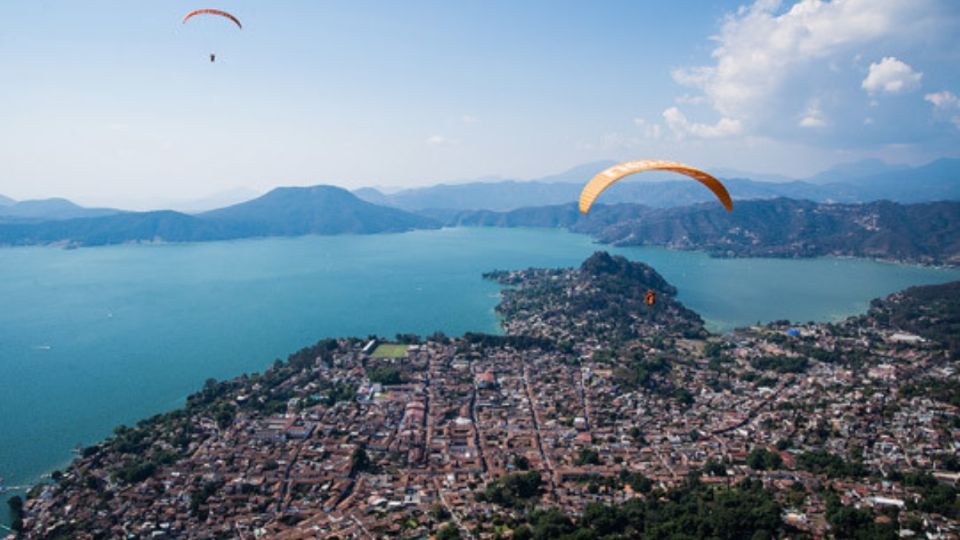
x,y
791,72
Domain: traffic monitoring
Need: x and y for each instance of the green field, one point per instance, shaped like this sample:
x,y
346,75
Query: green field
x,y
389,350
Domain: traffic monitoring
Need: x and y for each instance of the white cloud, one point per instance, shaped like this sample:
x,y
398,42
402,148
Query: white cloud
x,y
469,119
681,127
946,105
767,59
650,131
813,116
891,76
943,100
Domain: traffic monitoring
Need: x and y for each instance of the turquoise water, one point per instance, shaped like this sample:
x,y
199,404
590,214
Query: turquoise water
x,y
92,338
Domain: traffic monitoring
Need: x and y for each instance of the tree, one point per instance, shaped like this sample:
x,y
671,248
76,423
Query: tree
x,y
512,490
438,512
588,456
16,512
761,459
385,375
521,463
359,460
551,524
603,519
715,468
448,532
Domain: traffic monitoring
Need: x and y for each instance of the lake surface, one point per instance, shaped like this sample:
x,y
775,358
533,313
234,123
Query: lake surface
x,y
96,337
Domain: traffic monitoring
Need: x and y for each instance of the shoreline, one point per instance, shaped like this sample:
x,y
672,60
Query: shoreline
x,y
498,319
707,250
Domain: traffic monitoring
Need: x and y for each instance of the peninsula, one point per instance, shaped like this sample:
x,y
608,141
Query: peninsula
x,y
594,415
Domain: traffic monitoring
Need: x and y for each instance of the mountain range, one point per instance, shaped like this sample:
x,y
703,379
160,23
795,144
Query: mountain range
x,y
862,181
678,214
281,212
865,181
926,233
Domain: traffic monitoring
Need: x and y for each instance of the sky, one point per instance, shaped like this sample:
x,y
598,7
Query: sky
x,y
116,103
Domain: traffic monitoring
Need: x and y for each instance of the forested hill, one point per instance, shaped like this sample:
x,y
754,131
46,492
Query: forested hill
x,y
930,311
926,233
609,294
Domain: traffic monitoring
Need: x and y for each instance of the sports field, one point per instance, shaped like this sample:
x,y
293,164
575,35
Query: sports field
x,y
389,350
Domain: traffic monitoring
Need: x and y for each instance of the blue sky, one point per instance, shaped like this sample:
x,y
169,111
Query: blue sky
x,y
110,102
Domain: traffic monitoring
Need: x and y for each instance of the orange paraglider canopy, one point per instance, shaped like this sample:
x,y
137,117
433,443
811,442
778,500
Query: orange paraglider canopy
x,y
610,176
208,11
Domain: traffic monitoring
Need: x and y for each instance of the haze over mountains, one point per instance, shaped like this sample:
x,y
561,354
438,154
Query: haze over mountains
x,y
46,209
863,181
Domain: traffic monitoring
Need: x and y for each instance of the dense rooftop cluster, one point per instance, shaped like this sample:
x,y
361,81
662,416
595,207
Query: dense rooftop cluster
x,y
596,415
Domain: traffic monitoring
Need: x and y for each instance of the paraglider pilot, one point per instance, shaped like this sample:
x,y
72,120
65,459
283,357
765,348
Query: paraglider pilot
x,y
213,57
650,298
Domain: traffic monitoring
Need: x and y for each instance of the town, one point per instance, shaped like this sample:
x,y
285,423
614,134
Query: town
x,y
593,397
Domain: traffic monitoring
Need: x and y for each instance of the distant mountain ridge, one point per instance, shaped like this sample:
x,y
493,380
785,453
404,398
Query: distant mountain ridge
x,y
856,170
48,209
282,212
865,181
6,201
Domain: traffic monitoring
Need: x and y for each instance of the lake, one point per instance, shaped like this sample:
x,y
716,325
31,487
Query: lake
x,y
96,337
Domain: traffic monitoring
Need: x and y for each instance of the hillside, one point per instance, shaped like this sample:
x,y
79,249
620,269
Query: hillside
x,y
161,226
609,290
930,311
6,201
313,210
925,233
282,212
